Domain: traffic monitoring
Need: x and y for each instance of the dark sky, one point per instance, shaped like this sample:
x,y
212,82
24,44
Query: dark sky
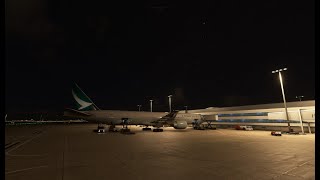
x,y
214,53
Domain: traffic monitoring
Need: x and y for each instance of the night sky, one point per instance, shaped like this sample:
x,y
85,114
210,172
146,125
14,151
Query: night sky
x,y
214,53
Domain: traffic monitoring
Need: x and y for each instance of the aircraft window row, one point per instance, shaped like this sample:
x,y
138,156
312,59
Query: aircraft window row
x,y
244,114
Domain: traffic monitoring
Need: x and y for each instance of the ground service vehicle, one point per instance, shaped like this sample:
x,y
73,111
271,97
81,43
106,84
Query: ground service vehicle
x,y
275,133
247,128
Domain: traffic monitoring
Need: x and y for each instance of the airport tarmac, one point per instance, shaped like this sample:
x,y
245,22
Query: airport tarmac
x,y
75,152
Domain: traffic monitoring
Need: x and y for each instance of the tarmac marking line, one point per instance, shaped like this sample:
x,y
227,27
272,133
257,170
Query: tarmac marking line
x,y
221,132
295,167
26,155
11,144
287,172
23,143
20,170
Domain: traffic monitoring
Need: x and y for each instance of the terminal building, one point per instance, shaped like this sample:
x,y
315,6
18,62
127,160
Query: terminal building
x,y
264,116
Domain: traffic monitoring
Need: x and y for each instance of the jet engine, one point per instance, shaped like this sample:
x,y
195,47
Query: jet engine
x,y
180,124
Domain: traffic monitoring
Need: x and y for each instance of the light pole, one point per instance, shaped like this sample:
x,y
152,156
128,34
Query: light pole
x,y
139,106
300,97
283,95
169,102
151,105
186,109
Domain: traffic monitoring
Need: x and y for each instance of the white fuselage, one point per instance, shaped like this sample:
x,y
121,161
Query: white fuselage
x,y
116,117
135,117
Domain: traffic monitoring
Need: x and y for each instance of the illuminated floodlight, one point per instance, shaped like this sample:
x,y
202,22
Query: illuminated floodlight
x,y
273,71
277,70
299,97
280,69
284,69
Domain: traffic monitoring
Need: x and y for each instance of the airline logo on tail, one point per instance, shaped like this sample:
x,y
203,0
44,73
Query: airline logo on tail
x,y
83,102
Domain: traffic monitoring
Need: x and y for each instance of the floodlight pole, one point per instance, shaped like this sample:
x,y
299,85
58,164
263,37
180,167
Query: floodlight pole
x,y
283,95
186,109
284,100
139,106
169,102
151,105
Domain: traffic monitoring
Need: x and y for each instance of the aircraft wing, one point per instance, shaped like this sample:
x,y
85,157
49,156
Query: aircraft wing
x,y
74,113
166,118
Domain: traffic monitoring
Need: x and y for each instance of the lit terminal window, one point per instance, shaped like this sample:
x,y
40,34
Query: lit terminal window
x,y
244,114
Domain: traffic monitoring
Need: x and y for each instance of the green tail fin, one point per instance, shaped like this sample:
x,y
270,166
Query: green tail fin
x,y
83,102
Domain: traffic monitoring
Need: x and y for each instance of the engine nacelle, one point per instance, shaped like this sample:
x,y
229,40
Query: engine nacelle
x,y
180,124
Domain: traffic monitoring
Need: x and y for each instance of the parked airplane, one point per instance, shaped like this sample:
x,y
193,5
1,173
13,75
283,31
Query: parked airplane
x,y
87,110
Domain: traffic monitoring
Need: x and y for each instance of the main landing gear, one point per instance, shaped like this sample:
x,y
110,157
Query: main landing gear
x,y
146,129
112,128
100,126
158,129
125,129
